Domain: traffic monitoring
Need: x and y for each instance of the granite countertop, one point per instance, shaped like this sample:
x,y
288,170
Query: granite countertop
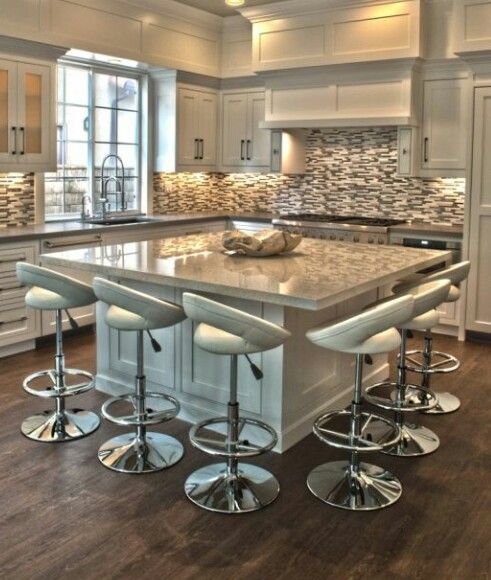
x,y
316,275
58,229
445,230
64,228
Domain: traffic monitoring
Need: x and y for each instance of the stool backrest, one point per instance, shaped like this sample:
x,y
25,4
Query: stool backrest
x,y
31,275
255,330
456,273
429,295
353,330
137,302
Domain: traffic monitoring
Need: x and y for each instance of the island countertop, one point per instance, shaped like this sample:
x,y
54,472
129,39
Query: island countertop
x,y
316,275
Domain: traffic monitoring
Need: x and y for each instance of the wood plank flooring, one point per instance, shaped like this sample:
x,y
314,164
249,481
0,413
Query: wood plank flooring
x,y
62,515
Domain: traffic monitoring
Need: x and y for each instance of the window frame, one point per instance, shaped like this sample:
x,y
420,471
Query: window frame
x,y
139,179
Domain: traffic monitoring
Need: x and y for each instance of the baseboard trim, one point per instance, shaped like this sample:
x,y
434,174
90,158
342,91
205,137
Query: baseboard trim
x,y
17,348
474,336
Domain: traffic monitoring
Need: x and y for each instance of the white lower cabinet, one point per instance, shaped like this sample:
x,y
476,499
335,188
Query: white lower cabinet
x,y
17,322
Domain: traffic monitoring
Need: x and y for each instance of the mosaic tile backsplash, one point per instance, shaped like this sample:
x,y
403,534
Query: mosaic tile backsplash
x,y
349,171
16,199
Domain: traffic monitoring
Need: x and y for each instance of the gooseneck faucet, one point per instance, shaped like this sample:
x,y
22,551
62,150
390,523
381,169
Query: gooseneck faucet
x,y
119,184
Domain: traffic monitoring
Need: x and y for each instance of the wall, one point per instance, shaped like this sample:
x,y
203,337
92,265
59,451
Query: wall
x,y
349,171
16,199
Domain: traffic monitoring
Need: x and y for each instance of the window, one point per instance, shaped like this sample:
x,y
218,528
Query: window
x,y
98,115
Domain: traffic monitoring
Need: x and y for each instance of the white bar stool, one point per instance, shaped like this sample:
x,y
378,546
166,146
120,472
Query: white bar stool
x,y
416,439
232,486
49,290
354,485
428,362
142,451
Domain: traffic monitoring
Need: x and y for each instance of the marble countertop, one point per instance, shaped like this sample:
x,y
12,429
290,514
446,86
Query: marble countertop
x,y
58,229
66,228
444,230
316,275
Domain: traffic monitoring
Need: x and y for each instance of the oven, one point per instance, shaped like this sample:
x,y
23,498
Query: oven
x,y
432,242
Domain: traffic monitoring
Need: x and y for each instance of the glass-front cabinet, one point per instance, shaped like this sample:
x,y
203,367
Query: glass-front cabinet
x,y
27,122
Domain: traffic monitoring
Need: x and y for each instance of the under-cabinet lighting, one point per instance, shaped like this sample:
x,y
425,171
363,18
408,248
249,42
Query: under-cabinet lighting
x,y
234,2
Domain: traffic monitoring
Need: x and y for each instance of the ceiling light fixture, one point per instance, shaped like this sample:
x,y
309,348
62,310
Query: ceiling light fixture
x,y
234,2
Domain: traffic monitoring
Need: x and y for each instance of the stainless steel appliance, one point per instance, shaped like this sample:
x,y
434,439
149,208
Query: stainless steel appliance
x,y
432,242
332,227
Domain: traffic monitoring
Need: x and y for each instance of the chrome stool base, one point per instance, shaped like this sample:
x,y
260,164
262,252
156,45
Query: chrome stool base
x,y
369,488
416,440
445,403
217,489
129,454
52,427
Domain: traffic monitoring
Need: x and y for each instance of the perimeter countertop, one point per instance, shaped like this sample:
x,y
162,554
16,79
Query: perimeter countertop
x,y
59,229
66,228
316,275
442,230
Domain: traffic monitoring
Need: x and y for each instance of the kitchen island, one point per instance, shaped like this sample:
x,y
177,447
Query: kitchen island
x,y
319,281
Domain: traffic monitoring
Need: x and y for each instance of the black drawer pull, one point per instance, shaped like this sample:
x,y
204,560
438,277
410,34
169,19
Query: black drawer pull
x,y
10,260
23,319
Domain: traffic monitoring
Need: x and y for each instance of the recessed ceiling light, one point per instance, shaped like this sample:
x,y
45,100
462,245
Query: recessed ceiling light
x,y
234,2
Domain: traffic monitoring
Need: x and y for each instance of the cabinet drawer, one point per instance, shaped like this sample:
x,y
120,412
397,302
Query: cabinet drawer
x,y
10,256
16,323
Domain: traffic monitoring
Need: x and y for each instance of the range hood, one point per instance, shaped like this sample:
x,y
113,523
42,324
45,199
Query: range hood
x,y
363,95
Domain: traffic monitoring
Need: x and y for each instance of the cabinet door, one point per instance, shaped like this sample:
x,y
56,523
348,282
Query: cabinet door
x,y
33,113
234,130
8,106
478,316
208,128
187,127
444,124
259,140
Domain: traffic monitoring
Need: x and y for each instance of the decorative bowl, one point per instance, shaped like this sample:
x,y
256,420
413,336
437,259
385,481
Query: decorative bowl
x,y
267,242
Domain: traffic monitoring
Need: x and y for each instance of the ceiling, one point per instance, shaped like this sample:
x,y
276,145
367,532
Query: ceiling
x,y
219,7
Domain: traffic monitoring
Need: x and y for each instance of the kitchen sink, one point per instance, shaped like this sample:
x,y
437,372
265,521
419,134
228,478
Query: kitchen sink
x,y
119,220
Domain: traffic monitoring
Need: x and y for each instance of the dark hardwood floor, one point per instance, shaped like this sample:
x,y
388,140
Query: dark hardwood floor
x,y
65,516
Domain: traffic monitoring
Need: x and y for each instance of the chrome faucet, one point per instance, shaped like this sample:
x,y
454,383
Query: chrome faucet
x,y
84,206
119,184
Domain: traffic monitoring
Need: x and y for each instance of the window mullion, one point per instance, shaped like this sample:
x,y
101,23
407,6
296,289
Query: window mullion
x,y
91,155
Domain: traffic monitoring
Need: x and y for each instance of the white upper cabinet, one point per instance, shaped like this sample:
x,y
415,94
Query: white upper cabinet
x,y
444,128
196,128
27,120
291,37
473,25
244,144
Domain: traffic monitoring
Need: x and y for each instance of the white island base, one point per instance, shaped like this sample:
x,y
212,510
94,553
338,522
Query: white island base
x,y
300,380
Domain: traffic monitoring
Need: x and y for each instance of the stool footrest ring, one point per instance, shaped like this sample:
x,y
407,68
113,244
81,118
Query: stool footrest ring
x,y
51,391
376,432
442,362
155,412
217,444
421,399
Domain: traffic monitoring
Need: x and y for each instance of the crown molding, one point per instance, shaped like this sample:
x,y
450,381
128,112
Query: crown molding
x,y
290,8
172,9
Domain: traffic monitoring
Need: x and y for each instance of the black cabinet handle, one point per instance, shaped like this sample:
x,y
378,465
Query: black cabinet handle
x,y
14,130
425,150
248,151
23,319
202,154
196,148
242,143
23,133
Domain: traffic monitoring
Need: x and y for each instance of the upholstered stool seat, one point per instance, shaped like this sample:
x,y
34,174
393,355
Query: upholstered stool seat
x,y
141,451
50,290
389,395
353,484
232,486
427,361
